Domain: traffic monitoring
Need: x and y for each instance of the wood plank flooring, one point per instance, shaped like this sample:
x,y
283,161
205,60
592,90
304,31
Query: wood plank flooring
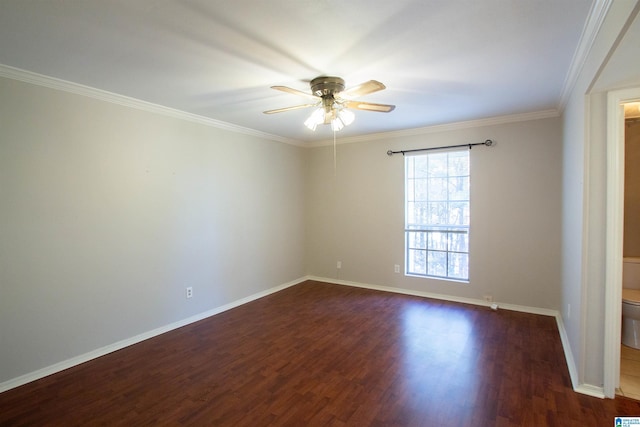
x,y
318,354
629,372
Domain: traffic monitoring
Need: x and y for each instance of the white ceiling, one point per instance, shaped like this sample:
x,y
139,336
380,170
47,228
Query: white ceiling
x,y
443,61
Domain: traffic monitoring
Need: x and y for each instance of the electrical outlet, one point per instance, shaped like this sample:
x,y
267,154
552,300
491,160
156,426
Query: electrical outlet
x,y
189,292
339,264
396,268
488,298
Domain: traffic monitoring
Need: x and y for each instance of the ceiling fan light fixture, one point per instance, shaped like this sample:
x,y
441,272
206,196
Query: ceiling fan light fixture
x,y
346,116
336,124
316,118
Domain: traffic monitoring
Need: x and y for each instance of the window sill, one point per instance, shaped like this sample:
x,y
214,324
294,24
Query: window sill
x,y
444,279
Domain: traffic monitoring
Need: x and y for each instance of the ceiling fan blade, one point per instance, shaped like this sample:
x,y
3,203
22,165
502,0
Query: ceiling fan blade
x,y
296,92
296,107
362,89
368,106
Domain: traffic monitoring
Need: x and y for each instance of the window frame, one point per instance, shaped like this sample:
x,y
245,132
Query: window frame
x,y
456,255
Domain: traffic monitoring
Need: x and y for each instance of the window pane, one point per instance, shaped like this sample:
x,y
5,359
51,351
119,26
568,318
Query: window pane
x,y
458,213
420,190
458,163
411,217
458,265
411,194
437,264
420,166
409,167
417,213
417,262
438,214
437,189
459,188
437,164
459,242
437,241
417,240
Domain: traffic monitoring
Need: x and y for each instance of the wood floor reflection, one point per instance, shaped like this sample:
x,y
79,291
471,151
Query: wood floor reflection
x,y
322,354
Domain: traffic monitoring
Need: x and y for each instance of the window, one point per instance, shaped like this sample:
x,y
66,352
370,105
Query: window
x,y
437,215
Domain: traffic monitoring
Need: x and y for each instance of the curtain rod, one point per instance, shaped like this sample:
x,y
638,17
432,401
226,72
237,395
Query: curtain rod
x,y
488,143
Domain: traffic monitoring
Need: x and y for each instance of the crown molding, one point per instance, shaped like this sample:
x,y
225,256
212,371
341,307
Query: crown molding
x,y
114,98
78,89
591,28
491,121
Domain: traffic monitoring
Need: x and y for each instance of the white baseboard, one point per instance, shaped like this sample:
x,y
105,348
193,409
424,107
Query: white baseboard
x,y
473,301
590,390
77,360
571,363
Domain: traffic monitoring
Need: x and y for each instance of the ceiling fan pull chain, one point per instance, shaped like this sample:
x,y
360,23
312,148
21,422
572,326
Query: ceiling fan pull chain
x,y
335,166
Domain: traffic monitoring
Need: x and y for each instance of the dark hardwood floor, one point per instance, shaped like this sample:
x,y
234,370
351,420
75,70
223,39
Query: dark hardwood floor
x,y
320,354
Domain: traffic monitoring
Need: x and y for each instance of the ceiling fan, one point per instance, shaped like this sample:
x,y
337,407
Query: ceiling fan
x,y
332,101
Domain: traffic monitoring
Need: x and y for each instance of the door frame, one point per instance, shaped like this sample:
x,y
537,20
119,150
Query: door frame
x,y
614,235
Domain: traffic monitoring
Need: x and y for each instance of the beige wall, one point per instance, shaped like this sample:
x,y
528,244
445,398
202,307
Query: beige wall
x,y
632,189
357,216
107,213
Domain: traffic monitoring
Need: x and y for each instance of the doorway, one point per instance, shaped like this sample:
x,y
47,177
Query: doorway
x,y
614,234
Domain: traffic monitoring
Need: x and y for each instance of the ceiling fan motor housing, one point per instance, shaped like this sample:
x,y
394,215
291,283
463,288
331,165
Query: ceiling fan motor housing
x,y
327,86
